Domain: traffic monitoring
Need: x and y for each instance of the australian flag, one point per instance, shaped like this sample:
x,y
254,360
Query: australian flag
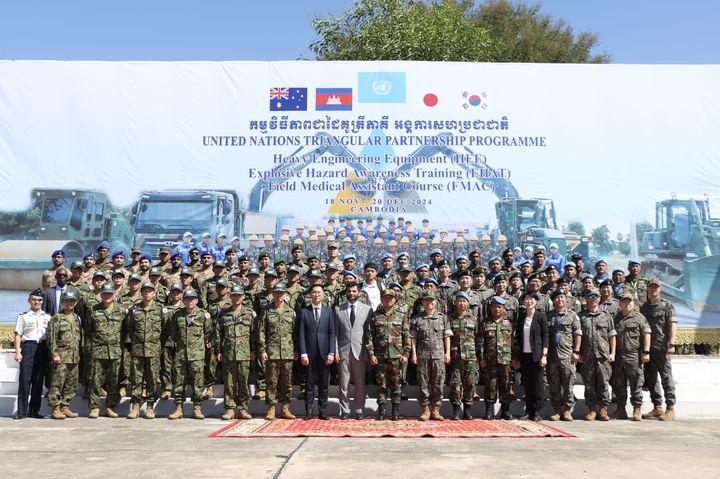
x,y
288,99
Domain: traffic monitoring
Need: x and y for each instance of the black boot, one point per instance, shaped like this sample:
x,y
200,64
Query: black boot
x,y
466,411
489,410
505,411
395,412
456,412
381,412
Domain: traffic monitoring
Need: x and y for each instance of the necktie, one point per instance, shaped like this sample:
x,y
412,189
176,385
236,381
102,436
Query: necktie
x,y
352,315
317,316
58,302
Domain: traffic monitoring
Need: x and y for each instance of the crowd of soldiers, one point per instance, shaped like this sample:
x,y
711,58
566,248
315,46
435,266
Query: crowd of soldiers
x,y
196,319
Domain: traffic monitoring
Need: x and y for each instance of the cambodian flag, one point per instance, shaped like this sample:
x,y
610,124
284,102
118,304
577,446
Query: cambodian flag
x,y
333,99
288,99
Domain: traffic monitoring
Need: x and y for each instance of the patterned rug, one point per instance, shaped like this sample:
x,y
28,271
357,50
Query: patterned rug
x,y
372,428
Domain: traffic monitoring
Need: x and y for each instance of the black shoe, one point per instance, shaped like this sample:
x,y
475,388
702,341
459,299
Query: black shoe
x,y
489,413
505,411
395,412
537,418
456,412
19,416
344,416
323,416
35,415
308,415
466,412
359,416
404,397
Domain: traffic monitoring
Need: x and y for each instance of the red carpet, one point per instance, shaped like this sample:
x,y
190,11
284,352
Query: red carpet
x,y
372,428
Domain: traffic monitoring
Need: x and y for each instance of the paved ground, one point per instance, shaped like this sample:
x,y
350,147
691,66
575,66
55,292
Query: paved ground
x,y
116,448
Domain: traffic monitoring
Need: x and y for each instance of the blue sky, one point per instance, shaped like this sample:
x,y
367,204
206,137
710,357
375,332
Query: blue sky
x,y
631,31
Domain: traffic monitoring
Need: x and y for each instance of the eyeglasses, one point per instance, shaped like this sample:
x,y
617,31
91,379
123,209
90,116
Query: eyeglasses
x,y
61,275
195,253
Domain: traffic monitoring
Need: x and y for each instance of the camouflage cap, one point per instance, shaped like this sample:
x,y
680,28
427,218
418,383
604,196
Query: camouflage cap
x,y
271,273
394,284
77,264
315,273
187,272
107,288
332,267
222,284
253,272
626,295
592,292
155,271
654,281
279,288
237,290
293,269
69,295
219,264
405,269
118,272
134,277
176,287
190,293
427,295
136,250
165,250
388,292
557,292
148,284
100,274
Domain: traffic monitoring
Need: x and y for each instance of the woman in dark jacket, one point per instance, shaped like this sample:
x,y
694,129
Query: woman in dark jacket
x,y
530,353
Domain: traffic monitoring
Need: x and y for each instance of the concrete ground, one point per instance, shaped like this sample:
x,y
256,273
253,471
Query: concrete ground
x,y
116,448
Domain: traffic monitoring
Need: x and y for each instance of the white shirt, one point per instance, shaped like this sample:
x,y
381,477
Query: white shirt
x,y
373,292
526,335
59,290
31,325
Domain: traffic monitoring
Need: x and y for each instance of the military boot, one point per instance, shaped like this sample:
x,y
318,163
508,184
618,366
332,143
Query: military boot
x,y
197,412
637,415
656,413
243,414
103,393
209,393
259,395
566,415
68,412
505,411
489,410
122,392
110,412
165,395
456,412
229,414
134,411
395,412
591,415
669,413
620,412
425,415
149,411
602,414
178,414
435,414
556,416
94,413
56,413
381,412
466,412
285,411
270,412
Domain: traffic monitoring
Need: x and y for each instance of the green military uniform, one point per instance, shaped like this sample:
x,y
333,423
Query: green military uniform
x,y
87,301
127,300
277,339
463,357
213,370
628,362
610,306
167,358
660,317
235,340
64,336
639,285
144,328
105,334
190,333
494,346
597,329
429,333
563,326
387,337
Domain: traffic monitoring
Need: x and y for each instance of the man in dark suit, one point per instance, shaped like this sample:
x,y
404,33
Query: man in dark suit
x,y
350,318
51,296
316,342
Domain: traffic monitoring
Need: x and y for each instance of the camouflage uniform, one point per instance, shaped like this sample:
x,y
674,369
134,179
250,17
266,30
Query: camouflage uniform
x,y
277,338
144,328
87,301
213,370
387,337
63,336
235,339
105,334
628,362
494,346
127,300
190,332
464,366
563,326
429,333
167,358
639,285
611,306
660,317
597,329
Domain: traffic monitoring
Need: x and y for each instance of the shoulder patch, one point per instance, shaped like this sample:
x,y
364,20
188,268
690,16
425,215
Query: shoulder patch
x,y
165,310
207,315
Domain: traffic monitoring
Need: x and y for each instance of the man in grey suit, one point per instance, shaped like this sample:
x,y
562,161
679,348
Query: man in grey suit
x,y
350,318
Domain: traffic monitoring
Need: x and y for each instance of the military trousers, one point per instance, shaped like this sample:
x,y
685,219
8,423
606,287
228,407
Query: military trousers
x,y
212,369
660,364
431,379
278,380
624,373
104,372
596,374
463,377
125,368
235,377
188,373
388,377
497,382
561,377
258,368
145,374
63,385
167,372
